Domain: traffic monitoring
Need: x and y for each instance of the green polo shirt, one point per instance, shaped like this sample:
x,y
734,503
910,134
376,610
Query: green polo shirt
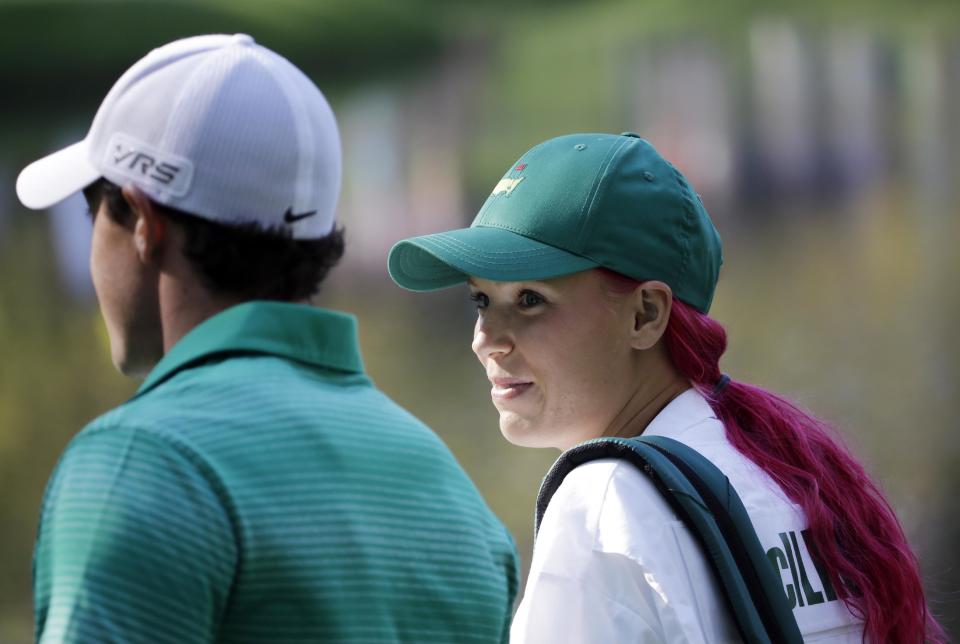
x,y
259,488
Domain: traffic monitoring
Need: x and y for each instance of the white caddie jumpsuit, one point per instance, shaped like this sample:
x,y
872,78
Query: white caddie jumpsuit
x,y
613,564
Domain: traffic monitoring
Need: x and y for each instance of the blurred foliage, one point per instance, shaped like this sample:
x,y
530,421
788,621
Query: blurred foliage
x,y
48,45
849,308
549,77
55,376
95,41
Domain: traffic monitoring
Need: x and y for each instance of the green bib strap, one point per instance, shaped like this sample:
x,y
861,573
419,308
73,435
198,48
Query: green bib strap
x,y
704,499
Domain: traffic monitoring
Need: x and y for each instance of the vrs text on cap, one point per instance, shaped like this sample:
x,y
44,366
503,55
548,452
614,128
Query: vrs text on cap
x,y
216,126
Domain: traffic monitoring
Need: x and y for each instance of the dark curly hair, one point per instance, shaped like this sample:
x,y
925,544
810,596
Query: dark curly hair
x,y
248,260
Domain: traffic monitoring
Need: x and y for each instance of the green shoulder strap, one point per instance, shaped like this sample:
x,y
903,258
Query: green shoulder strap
x,y
705,500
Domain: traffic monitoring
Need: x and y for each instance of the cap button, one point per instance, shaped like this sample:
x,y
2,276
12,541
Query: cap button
x,y
243,39
632,135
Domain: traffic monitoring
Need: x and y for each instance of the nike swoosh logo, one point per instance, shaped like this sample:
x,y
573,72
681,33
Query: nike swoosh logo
x,y
290,217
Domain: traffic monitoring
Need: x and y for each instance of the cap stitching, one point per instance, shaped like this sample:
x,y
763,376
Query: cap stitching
x,y
163,196
407,266
178,104
528,251
595,189
305,194
522,254
140,70
469,258
685,231
522,233
459,247
608,162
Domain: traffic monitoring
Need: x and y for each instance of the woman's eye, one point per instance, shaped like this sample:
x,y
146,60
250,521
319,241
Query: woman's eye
x,y
480,299
529,299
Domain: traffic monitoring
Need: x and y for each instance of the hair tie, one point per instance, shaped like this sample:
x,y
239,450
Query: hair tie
x,y
721,385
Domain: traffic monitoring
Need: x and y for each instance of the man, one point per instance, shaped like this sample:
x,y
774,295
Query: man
x,y
257,488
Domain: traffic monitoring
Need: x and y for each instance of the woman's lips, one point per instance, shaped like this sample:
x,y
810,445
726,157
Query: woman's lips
x,y
508,388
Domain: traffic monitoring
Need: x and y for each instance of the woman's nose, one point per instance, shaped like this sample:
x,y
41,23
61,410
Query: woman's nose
x,y
490,338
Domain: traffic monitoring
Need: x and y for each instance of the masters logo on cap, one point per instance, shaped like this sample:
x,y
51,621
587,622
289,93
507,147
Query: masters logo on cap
x,y
587,200
505,186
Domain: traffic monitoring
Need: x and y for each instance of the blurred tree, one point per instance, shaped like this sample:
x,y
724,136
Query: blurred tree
x,y
849,307
53,51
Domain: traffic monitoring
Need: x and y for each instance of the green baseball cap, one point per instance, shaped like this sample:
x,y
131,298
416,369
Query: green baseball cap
x,y
573,203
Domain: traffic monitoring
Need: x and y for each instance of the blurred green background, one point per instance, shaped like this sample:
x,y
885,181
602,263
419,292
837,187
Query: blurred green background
x,y
822,136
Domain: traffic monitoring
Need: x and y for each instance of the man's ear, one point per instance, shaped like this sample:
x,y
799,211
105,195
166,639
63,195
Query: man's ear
x,y
149,227
651,304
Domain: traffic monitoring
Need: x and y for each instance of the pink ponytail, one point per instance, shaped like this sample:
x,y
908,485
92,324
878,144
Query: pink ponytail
x,y
859,539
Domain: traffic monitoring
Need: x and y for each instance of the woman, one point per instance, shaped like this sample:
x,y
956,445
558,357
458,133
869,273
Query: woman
x,y
593,265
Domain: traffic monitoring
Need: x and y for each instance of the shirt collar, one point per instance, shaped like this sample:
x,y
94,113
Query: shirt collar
x,y
295,331
683,412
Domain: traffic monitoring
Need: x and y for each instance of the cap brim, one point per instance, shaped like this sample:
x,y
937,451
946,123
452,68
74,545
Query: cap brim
x,y
55,177
441,260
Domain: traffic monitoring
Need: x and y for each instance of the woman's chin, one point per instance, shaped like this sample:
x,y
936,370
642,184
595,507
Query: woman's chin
x,y
523,432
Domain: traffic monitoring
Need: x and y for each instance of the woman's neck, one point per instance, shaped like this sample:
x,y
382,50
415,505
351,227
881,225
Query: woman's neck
x,y
650,397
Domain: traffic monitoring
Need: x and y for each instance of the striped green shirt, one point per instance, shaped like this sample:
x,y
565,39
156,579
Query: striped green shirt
x,y
259,488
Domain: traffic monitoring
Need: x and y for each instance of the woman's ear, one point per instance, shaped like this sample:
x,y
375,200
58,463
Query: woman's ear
x,y
651,304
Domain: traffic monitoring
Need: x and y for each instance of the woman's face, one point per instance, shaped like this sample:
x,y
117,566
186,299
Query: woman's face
x,y
557,354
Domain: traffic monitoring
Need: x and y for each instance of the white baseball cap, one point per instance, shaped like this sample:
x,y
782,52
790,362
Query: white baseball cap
x,y
216,126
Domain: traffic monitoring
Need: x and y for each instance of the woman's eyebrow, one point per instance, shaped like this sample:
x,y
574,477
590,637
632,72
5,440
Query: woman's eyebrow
x,y
542,287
